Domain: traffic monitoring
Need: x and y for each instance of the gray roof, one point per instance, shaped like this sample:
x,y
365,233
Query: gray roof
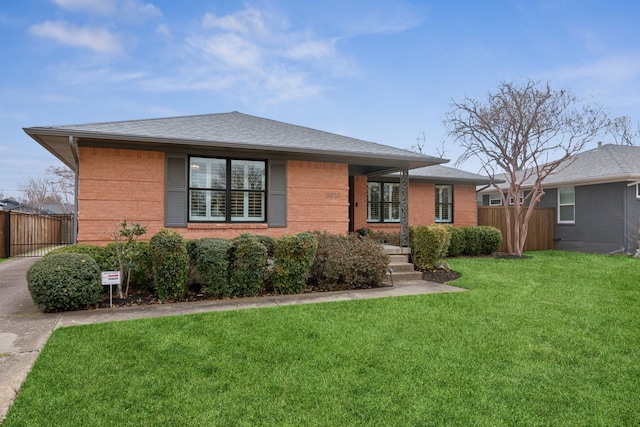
x,y
604,164
231,131
440,174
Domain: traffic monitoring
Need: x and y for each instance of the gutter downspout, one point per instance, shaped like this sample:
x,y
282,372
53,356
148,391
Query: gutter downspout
x,y
73,144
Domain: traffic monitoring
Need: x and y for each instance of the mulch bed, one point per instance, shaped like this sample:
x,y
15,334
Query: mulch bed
x,y
440,276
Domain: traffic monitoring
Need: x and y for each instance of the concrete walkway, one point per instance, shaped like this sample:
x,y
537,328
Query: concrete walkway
x,y
24,330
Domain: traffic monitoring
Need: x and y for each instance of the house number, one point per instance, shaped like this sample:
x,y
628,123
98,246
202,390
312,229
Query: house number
x,y
333,195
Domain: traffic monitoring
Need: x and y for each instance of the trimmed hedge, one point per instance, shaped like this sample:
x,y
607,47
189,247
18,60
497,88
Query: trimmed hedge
x,y
103,256
429,245
247,262
292,258
170,264
348,262
64,281
210,257
474,241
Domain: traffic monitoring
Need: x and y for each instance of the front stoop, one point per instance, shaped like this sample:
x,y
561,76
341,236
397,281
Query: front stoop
x,y
403,270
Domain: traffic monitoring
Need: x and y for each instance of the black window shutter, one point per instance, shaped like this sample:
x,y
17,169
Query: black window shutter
x,y
277,202
175,208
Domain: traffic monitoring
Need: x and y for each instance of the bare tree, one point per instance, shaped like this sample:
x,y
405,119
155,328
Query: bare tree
x,y
421,141
55,187
623,131
524,131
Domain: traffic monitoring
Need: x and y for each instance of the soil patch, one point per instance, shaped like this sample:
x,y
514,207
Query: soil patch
x,y
440,275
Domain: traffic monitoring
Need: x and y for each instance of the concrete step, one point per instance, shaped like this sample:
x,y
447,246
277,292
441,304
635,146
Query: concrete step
x,y
396,250
404,266
404,276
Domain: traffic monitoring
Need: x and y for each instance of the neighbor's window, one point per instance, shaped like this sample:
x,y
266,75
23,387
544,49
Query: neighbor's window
x,y
226,190
637,191
495,200
383,202
512,202
566,205
444,203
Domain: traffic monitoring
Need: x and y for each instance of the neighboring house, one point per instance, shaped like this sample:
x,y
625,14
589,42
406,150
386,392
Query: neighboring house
x,y
224,174
596,199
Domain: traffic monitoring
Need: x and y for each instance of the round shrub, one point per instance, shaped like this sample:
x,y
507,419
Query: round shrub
x,y
490,238
247,262
348,262
64,281
429,245
210,257
104,256
458,242
170,264
293,257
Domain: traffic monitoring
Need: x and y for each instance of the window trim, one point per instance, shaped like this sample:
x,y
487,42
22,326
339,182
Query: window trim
x,y
383,206
637,191
573,221
228,191
440,203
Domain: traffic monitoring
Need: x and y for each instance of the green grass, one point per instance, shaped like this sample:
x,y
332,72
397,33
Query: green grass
x,y
552,340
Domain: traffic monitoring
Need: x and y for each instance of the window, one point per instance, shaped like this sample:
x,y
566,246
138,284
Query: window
x,y
495,200
444,203
512,202
226,190
383,202
637,191
566,205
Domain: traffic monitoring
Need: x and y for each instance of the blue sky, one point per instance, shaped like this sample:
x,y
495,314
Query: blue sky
x,y
382,71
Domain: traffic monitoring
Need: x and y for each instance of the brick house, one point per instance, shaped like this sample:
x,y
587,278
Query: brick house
x,y
219,175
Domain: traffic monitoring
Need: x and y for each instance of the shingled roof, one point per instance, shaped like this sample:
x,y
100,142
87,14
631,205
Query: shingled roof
x,y
606,163
232,130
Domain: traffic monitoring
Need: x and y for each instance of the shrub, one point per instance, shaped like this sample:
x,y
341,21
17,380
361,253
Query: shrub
x,y
348,262
293,257
101,255
474,241
170,264
385,237
210,257
141,268
269,243
490,239
429,245
247,262
458,242
64,281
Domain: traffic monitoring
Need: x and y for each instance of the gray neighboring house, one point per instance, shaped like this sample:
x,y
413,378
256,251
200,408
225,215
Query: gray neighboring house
x,y
596,199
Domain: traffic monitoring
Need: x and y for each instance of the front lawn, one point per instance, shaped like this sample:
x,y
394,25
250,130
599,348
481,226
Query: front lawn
x,y
552,340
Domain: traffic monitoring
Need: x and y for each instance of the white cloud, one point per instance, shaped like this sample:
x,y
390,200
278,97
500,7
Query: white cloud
x,y
163,30
257,51
105,7
97,39
621,68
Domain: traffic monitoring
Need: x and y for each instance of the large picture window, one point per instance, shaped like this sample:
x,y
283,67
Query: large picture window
x,y
444,203
226,190
383,202
566,205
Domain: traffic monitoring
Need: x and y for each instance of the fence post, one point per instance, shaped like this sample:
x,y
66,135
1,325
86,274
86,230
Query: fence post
x,y
7,234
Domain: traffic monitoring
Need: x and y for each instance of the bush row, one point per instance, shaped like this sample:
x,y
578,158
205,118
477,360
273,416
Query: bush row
x,y
431,244
245,266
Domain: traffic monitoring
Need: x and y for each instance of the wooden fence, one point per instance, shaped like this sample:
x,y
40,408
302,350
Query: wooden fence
x,y
33,234
541,226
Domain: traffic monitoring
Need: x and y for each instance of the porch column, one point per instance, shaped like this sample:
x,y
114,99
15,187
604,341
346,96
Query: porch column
x,y
404,208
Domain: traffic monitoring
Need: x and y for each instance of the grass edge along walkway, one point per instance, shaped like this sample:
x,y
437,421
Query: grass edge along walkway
x,y
552,340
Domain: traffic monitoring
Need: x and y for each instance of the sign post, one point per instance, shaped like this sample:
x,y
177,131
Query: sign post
x,y
110,278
